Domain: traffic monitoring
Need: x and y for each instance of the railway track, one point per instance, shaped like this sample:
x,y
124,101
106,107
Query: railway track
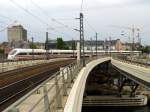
x,y
15,84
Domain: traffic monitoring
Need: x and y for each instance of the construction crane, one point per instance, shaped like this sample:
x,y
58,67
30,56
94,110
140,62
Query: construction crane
x,y
133,30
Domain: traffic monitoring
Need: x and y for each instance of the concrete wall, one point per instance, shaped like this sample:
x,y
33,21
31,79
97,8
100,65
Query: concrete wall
x,y
74,101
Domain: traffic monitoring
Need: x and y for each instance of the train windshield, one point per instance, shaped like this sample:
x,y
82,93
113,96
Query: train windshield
x,y
12,52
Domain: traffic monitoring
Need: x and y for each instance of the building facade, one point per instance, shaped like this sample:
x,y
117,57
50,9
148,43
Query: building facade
x,y
5,47
107,45
16,33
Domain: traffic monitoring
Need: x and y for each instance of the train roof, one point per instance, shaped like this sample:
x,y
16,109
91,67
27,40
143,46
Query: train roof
x,y
65,51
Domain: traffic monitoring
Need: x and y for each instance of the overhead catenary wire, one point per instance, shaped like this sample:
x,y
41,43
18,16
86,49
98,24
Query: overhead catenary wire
x,y
6,17
36,5
30,13
52,19
8,25
81,8
90,26
33,15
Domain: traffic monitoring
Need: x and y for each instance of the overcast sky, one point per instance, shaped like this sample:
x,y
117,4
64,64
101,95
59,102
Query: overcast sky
x,y
99,16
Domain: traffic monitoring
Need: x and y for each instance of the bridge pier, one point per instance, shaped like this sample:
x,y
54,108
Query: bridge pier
x,y
123,81
121,84
133,90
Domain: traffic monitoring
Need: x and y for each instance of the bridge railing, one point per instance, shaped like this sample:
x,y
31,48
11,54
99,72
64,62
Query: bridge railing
x,y
135,61
50,95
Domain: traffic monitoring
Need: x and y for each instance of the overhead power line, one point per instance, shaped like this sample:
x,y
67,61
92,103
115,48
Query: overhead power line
x,y
90,26
33,15
8,25
36,5
81,8
62,24
8,18
52,19
27,11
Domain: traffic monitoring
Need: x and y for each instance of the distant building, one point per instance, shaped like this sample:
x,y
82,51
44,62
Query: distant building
x,y
113,45
17,33
17,36
91,45
39,45
52,44
19,44
69,43
5,46
129,46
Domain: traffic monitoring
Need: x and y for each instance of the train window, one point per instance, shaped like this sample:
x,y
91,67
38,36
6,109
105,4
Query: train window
x,y
35,53
22,54
13,52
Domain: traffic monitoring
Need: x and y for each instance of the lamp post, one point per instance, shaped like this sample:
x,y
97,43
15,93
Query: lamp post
x,y
96,44
46,46
91,47
73,46
32,48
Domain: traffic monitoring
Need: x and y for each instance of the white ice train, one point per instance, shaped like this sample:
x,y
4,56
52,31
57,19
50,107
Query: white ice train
x,y
27,54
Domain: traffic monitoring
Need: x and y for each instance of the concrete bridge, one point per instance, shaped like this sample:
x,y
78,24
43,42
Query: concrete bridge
x,y
138,74
70,91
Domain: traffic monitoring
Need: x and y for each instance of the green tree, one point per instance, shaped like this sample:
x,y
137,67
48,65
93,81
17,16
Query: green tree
x,y
146,49
1,51
32,46
60,43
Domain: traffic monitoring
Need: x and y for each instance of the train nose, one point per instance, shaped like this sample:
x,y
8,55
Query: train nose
x,y
10,57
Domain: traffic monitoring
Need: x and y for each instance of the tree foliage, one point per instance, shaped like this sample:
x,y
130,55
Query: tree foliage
x,y
61,44
146,49
1,51
32,46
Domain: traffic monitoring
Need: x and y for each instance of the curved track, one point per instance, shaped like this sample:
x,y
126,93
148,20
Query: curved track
x,y
14,84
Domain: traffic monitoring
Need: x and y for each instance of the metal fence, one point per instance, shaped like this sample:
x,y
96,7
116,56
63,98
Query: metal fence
x,y
51,95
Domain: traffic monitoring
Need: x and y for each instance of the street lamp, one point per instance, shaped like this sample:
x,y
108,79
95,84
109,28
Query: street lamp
x,y
96,44
46,46
32,48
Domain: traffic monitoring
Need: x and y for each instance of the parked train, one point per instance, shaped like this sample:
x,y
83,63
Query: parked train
x,y
28,54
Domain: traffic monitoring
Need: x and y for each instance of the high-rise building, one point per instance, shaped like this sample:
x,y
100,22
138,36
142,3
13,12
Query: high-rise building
x,y
17,33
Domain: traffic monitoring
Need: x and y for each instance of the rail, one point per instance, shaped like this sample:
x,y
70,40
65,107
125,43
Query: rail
x,y
51,94
7,66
